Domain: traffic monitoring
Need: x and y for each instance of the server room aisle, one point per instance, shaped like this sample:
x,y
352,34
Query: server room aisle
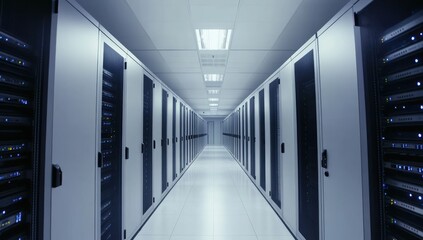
x,y
214,200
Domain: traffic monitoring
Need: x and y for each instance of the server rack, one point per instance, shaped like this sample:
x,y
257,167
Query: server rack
x,y
246,135
392,40
164,140
239,129
111,144
253,137
24,43
174,139
274,142
181,137
147,145
307,147
243,134
262,141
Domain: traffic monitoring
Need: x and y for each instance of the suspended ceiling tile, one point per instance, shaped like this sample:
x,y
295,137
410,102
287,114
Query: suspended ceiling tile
x,y
153,60
213,14
275,12
303,28
171,35
186,81
235,94
243,81
254,36
182,61
244,61
154,11
273,60
195,94
117,17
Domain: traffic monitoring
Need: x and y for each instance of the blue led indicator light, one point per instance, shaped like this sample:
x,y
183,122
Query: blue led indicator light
x,y
411,195
416,60
413,38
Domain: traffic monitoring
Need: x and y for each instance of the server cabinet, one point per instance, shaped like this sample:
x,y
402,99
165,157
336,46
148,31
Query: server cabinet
x,y
392,47
181,137
242,130
133,136
275,169
157,140
178,138
246,135
72,118
262,145
288,137
239,134
252,138
147,144
164,140
339,90
110,158
173,138
187,133
24,51
308,189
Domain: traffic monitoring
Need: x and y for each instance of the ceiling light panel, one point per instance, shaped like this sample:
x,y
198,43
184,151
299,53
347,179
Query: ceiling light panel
x,y
214,99
213,109
213,77
213,105
213,91
213,39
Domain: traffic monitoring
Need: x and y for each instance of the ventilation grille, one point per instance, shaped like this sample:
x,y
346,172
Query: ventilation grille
x,y
213,60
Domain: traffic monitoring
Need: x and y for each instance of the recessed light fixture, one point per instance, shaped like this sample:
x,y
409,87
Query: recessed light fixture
x,y
213,39
213,99
213,109
213,104
213,91
211,77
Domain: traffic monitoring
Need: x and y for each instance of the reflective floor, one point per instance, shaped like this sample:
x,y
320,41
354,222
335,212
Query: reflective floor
x,y
214,200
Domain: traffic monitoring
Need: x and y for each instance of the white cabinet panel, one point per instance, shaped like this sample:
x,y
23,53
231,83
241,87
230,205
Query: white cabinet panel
x,y
132,167
157,136
343,202
74,125
289,138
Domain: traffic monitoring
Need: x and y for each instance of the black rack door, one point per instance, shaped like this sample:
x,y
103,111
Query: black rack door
x,y
253,137
246,135
148,144
243,134
24,43
307,147
111,145
262,141
274,142
164,140
181,137
174,139
393,50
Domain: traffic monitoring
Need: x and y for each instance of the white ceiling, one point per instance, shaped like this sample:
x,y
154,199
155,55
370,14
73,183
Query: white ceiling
x,y
161,33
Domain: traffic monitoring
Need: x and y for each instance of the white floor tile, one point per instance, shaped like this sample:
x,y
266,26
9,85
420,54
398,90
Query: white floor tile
x,y
160,224
152,237
214,200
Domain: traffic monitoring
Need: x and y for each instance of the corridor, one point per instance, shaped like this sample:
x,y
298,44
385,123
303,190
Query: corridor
x,y
214,200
